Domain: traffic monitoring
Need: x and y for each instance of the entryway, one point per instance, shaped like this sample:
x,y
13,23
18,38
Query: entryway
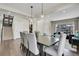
x,y
7,33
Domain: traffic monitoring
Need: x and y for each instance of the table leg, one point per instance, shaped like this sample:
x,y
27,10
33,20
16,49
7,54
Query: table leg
x,y
41,49
77,48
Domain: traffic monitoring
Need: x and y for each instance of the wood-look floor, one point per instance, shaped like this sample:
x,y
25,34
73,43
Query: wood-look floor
x,y
7,33
12,48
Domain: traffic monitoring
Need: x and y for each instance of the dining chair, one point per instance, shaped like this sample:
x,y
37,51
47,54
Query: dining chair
x,y
32,44
57,50
24,42
43,41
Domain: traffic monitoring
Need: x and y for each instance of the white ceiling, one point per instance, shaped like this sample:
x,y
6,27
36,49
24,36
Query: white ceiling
x,y
24,8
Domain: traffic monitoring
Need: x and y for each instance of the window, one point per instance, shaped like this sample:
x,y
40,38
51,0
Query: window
x,y
66,28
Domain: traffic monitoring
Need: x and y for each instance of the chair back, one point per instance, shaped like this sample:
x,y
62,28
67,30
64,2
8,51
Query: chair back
x,y
26,39
32,43
61,44
22,37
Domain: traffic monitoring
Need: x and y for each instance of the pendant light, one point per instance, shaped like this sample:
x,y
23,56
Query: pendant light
x,y
31,10
30,22
31,14
42,11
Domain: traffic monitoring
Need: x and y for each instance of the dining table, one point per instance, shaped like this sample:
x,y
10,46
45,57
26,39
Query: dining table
x,y
45,41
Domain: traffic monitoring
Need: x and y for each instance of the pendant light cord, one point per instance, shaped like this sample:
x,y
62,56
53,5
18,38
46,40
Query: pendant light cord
x,y
31,11
42,8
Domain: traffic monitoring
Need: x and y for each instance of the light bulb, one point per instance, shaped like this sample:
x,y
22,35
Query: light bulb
x,y
42,16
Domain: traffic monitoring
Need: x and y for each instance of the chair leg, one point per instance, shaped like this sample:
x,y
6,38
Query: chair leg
x,y
27,53
44,53
20,45
63,54
23,47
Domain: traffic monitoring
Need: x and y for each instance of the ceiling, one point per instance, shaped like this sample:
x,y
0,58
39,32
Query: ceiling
x,y
24,8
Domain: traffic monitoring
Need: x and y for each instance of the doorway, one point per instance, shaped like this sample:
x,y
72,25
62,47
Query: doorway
x,y
7,33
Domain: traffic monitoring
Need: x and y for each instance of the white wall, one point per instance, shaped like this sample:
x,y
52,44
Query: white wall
x,y
19,24
34,24
76,24
43,26
52,27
